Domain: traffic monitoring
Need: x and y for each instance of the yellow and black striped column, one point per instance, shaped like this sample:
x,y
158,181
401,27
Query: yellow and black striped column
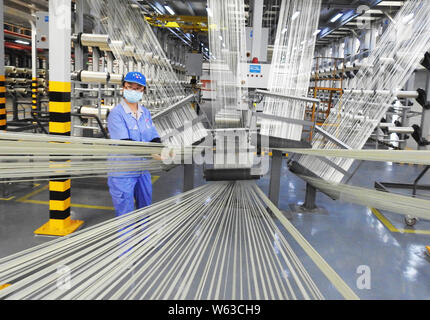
x,y
34,84
34,95
60,222
59,124
60,108
3,116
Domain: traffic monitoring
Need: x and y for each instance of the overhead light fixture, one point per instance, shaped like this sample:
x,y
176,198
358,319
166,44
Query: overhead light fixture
x,y
391,3
158,11
220,37
170,10
295,15
366,18
374,11
336,17
22,42
317,32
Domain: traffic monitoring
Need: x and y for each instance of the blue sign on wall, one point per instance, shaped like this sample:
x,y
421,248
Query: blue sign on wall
x,y
255,68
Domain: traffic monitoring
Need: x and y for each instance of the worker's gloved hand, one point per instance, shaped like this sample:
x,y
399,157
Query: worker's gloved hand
x,y
167,155
157,157
156,140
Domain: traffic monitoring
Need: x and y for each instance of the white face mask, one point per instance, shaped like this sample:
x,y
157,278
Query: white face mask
x,y
133,96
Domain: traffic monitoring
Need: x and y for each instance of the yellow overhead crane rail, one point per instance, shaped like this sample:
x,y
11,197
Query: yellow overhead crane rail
x,y
186,23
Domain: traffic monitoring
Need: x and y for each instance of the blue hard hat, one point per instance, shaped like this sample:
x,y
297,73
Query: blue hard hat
x,y
135,77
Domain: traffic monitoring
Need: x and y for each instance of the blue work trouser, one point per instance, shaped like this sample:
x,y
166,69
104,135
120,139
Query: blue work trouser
x,y
126,190
129,194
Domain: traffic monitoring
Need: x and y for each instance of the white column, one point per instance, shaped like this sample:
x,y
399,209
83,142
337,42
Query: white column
x,y
60,29
257,28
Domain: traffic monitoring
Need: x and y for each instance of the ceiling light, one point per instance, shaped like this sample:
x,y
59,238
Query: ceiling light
x,y
336,17
366,18
22,42
170,10
375,11
391,3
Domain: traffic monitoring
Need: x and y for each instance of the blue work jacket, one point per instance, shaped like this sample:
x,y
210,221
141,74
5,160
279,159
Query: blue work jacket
x,y
123,125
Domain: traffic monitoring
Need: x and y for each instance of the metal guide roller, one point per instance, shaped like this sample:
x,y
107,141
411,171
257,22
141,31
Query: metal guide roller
x,y
97,77
236,174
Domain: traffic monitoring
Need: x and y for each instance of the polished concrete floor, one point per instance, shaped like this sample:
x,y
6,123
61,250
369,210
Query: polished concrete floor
x,y
347,236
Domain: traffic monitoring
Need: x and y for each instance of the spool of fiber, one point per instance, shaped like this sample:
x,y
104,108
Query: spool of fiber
x,y
95,40
94,77
10,69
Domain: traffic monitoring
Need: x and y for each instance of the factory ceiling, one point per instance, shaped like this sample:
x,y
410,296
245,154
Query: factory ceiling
x,y
351,13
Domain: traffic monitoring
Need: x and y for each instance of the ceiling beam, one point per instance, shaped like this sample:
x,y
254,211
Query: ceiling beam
x,y
155,5
190,8
347,16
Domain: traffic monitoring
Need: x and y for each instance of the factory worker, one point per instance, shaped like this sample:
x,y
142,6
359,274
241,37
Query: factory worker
x,y
131,121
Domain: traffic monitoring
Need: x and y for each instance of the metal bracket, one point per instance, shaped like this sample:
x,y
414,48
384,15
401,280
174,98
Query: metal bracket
x,y
333,165
332,139
287,97
176,105
188,123
289,120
